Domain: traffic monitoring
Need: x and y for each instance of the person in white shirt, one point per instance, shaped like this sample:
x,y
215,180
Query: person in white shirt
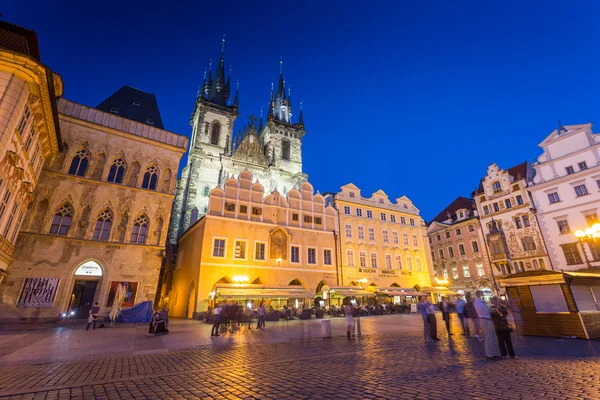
x,y
487,324
217,321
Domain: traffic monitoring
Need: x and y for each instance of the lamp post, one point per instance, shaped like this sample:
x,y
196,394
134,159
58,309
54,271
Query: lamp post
x,y
589,236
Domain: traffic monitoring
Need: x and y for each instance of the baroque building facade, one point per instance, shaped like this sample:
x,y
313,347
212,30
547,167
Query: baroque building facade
x,y
271,151
100,213
29,129
254,247
458,249
383,244
513,236
566,194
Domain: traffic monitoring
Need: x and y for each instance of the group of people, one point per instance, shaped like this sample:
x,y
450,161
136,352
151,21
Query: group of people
x,y
232,314
484,323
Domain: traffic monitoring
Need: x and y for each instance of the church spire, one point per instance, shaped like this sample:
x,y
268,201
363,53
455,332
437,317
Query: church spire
x,y
281,111
218,88
237,88
301,117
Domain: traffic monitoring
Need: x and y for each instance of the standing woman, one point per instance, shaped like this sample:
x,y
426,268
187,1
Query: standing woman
x,y
217,320
348,311
445,308
503,329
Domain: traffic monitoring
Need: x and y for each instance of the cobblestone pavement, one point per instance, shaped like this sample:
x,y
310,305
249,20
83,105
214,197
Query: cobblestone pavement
x,y
289,360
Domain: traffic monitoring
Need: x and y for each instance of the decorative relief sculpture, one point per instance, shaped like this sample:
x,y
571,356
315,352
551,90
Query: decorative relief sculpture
x,y
279,244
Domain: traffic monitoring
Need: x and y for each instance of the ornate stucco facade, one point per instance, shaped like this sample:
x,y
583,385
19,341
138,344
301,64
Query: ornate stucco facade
x,y
383,244
99,216
29,131
272,152
252,247
513,236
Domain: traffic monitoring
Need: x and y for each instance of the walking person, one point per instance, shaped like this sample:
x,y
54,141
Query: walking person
x,y
432,322
459,304
216,321
473,317
489,332
348,312
422,308
446,309
503,329
93,315
261,317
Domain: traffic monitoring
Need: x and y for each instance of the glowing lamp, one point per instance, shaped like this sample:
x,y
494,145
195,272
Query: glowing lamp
x,y
240,279
363,280
580,234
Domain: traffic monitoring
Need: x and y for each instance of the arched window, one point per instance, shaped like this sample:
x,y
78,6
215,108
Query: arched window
x,y
62,220
216,132
150,178
103,225
140,229
79,163
535,264
117,170
285,149
206,190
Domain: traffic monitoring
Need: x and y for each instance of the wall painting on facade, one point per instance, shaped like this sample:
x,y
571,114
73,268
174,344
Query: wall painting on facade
x,y
38,292
127,291
279,244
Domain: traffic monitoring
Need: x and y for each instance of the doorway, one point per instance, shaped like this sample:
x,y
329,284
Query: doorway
x,y
82,298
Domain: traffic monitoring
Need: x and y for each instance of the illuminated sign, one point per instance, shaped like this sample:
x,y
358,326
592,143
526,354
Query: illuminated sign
x,y
90,268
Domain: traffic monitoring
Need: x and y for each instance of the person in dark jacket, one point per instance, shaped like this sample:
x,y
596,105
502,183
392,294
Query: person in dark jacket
x,y
446,308
471,315
498,312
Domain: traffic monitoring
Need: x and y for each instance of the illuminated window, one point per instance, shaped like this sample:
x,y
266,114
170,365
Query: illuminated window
x,y
219,248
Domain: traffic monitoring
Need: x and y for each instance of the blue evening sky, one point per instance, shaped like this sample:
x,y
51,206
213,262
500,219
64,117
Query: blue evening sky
x,y
413,97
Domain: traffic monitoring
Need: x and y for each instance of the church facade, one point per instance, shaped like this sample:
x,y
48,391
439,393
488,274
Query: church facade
x,y
271,151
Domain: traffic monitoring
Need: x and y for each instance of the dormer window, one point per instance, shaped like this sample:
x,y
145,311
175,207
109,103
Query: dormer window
x,y
380,201
150,121
496,187
136,103
461,215
114,110
352,194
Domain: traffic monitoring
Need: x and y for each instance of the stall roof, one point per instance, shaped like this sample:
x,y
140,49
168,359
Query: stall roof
x,y
545,277
256,291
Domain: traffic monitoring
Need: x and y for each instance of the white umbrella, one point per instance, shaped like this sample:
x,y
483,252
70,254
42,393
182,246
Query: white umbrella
x,y
118,301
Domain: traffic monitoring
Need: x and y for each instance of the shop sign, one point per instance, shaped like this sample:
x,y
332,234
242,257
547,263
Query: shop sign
x,y
38,292
367,270
388,273
328,275
90,268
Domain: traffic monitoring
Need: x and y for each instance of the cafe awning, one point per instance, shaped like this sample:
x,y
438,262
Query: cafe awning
x,y
399,293
350,291
440,290
250,291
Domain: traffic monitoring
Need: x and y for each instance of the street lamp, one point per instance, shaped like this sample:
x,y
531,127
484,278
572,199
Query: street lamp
x,y
589,235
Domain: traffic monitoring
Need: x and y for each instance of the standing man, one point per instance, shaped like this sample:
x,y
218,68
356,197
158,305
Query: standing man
x,y
217,321
261,317
471,312
422,308
432,322
489,332
93,316
446,308
503,329
460,305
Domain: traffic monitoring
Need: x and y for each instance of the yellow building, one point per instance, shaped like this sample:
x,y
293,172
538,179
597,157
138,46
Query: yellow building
x,y
251,248
384,245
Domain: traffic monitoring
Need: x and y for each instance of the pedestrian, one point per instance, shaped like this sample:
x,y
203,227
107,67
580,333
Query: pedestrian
x,y
159,325
473,317
489,332
349,313
249,312
459,304
422,308
93,315
261,317
216,321
432,322
446,309
503,329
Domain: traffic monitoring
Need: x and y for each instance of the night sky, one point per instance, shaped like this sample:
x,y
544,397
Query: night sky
x,y
413,97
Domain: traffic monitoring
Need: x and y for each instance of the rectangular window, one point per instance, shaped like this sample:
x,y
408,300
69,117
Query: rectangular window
x,y
598,183
458,232
386,237
447,235
24,119
441,251
480,270
454,273
432,255
496,207
526,223
486,210
350,258
240,249
415,240
496,187
403,219
18,225
243,209
571,252
312,256
399,262
392,218
548,298
450,252
373,260
507,203
359,212
363,259
438,237
219,248
580,190
591,219
412,222
418,262
4,203
229,207
383,216
369,214
11,218
318,221
259,251
471,228
461,249
475,247
570,170
327,257
553,197
466,272
405,238
388,261
346,210
361,232
30,138
348,230
528,243
395,237
295,217
519,199
295,254
308,219
582,165
409,263
371,234
256,211
518,224
563,227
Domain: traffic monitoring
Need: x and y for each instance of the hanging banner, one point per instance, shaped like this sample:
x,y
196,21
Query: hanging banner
x,y
38,293
126,294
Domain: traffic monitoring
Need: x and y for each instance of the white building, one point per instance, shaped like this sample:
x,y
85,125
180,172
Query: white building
x,y
566,194
272,153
